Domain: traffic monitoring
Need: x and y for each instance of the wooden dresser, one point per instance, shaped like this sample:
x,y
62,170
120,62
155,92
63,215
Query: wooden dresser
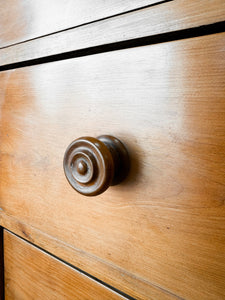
x,y
149,73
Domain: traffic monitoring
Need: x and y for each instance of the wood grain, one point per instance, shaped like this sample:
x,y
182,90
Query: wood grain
x,y
83,260
166,17
33,274
22,20
165,224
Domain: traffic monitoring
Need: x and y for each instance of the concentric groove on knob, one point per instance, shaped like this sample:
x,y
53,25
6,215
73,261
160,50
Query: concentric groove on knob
x,y
81,165
88,166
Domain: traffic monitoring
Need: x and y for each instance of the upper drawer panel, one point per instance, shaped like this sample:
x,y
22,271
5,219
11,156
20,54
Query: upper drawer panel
x,y
150,23
22,20
165,224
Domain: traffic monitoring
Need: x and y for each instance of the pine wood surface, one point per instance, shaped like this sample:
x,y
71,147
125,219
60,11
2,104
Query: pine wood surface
x,y
165,224
23,20
33,274
83,260
166,17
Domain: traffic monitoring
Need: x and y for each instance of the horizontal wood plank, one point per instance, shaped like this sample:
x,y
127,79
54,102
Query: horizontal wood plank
x,y
84,260
23,20
33,274
165,225
166,17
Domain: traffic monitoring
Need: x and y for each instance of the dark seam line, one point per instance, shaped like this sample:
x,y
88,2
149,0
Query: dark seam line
x,y
2,276
149,40
91,276
87,23
75,268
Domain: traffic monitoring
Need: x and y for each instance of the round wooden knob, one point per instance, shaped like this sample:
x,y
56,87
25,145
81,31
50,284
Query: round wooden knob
x,y
91,165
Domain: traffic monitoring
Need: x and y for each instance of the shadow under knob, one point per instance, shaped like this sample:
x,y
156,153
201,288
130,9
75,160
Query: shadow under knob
x,y
91,165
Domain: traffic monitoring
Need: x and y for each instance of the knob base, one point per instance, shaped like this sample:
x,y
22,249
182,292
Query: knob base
x,y
120,157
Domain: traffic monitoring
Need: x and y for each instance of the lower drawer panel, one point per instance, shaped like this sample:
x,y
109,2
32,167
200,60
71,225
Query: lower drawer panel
x,y
33,274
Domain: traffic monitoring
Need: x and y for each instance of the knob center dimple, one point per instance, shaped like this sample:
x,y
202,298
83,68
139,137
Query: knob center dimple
x,y
82,167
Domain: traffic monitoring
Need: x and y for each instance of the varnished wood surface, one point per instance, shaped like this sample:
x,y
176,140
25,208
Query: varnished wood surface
x,y
33,274
83,260
162,18
23,19
165,224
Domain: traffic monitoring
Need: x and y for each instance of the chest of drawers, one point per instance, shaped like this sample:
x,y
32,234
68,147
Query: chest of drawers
x,y
160,233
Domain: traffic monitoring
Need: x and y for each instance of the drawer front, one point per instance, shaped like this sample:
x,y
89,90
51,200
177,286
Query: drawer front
x,y
177,17
164,226
32,274
23,20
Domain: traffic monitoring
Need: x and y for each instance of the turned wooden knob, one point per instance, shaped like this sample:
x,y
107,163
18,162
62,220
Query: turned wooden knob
x,y
91,165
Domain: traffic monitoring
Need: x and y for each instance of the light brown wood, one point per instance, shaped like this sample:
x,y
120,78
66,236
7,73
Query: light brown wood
x,y
22,20
165,224
33,274
83,260
166,17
